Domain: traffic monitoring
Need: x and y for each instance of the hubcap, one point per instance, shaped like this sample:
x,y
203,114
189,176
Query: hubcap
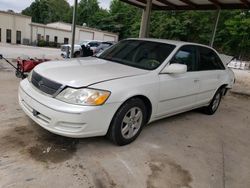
x,y
216,102
131,122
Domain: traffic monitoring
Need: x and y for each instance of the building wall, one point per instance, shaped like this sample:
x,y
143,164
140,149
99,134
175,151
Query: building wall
x,y
60,25
81,33
15,23
44,30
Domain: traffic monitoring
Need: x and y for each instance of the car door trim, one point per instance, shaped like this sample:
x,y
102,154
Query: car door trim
x,y
186,95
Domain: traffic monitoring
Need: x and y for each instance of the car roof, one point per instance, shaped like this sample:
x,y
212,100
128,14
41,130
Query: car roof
x,y
173,42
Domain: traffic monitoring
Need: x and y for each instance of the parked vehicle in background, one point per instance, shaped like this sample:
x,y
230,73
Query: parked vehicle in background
x,y
132,83
103,46
88,44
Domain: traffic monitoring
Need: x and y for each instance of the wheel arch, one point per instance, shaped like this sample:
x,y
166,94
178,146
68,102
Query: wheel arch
x,y
223,86
146,101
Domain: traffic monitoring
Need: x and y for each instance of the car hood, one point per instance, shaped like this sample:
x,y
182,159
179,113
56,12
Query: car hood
x,y
83,72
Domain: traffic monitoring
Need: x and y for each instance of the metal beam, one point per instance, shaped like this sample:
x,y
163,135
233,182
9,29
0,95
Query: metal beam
x,y
142,1
215,27
73,29
246,3
134,4
145,21
189,3
203,7
165,2
216,3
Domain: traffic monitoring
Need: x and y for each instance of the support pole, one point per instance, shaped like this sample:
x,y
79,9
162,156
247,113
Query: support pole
x,y
215,27
145,21
73,29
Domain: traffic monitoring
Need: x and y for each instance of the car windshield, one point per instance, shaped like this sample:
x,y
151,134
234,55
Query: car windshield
x,y
83,42
138,53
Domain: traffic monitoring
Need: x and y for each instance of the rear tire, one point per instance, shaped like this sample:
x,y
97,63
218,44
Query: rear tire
x,y
214,104
77,54
128,122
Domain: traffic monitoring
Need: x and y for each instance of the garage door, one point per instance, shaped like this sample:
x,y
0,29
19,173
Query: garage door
x,y
86,35
108,38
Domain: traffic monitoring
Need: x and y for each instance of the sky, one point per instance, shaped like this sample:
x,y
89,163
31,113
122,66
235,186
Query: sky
x,y
19,5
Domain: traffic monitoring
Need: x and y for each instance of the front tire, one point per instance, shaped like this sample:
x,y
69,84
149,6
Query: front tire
x,y
214,104
128,122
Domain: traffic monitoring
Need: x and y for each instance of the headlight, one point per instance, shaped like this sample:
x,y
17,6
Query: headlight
x,y
30,76
85,96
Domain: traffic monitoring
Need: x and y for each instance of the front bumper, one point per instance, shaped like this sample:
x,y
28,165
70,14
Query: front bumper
x,y
63,118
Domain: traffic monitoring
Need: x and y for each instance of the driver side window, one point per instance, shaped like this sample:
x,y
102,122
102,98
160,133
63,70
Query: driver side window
x,y
187,56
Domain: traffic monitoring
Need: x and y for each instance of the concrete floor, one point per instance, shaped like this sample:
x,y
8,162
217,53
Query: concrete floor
x,y
190,150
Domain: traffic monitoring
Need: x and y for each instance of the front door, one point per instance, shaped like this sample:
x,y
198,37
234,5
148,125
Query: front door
x,y
178,91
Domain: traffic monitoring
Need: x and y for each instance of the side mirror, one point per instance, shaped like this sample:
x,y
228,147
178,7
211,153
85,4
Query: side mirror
x,y
175,69
1,56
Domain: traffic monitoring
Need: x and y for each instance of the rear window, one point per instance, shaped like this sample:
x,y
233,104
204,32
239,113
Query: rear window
x,y
138,53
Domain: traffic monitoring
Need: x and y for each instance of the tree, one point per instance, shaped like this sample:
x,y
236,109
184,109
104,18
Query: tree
x,y
87,10
125,19
45,11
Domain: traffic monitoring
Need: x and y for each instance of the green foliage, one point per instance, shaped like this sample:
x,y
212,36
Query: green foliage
x,y
87,9
195,26
43,43
46,11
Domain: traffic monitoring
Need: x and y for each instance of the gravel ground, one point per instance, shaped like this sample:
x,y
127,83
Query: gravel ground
x,y
13,51
190,150
242,84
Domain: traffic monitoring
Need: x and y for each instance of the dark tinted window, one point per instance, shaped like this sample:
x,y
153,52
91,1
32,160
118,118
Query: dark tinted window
x,y
94,44
38,37
187,56
209,60
18,37
138,53
66,41
8,36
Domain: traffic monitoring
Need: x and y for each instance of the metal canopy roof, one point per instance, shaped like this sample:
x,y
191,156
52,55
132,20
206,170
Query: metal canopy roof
x,y
191,4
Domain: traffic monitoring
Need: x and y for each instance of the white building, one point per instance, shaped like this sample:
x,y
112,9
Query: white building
x,y
18,29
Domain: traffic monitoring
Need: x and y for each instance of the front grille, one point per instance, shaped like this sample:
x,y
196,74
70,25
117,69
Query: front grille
x,y
45,85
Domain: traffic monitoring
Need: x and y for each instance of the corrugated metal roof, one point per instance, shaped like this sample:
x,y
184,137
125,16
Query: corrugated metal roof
x,y
192,4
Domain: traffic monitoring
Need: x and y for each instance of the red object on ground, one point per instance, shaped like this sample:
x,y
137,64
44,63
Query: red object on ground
x,y
27,65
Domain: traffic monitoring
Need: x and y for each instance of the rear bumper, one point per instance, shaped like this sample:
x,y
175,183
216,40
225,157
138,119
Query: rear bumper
x,y
63,118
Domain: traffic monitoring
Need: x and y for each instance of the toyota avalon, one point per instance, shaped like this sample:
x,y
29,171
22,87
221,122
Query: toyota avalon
x,y
131,84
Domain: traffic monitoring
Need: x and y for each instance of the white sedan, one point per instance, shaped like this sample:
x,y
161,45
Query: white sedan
x,y
129,85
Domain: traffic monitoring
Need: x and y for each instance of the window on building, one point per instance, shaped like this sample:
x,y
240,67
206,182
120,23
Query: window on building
x,y
18,37
66,40
39,37
55,39
8,36
47,38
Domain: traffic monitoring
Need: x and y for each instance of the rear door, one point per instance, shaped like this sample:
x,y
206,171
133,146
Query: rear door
x,y
211,71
